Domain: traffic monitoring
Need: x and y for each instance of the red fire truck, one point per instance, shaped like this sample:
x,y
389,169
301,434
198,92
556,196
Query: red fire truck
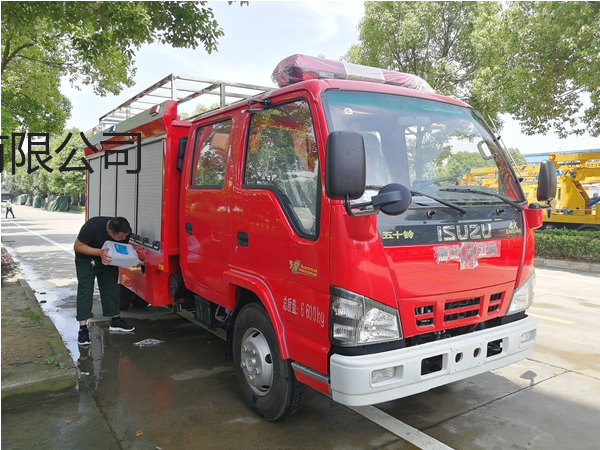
x,y
321,229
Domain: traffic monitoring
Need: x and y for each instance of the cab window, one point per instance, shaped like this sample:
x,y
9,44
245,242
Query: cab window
x,y
210,155
282,156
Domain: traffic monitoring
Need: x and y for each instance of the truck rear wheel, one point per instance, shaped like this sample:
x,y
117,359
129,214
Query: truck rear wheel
x,y
128,298
125,298
139,302
267,381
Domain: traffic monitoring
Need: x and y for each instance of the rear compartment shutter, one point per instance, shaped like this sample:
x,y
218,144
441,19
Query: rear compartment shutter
x,y
127,189
93,194
136,196
150,186
109,188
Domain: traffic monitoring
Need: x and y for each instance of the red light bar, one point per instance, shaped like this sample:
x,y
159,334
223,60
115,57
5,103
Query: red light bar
x,y
296,68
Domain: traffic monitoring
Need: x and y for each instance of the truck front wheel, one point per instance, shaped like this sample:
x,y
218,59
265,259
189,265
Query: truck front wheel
x,y
267,381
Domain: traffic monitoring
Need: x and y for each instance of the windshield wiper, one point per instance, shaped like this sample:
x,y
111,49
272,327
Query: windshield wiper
x,y
455,207
492,194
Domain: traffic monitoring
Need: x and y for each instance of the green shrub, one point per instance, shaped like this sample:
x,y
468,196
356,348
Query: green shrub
x,y
568,244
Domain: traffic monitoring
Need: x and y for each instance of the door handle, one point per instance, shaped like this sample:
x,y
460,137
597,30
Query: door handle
x,y
188,228
242,239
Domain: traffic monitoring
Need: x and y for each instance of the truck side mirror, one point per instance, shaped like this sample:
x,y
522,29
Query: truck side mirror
x,y
345,165
546,190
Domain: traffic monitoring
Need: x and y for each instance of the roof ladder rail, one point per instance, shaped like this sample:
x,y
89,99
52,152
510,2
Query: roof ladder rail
x,y
180,88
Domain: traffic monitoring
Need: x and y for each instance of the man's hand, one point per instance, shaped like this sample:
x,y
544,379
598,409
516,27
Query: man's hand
x,y
105,258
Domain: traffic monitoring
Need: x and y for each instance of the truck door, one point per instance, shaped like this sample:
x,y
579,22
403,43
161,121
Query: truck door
x,y
279,225
204,219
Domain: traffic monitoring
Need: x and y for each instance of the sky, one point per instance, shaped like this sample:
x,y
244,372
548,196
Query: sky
x,y
256,38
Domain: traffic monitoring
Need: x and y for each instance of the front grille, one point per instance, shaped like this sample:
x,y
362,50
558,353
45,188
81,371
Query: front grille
x,y
462,309
462,303
424,322
450,312
495,302
461,315
424,315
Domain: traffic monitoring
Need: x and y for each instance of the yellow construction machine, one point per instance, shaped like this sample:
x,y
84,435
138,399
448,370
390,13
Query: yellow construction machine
x,y
578,195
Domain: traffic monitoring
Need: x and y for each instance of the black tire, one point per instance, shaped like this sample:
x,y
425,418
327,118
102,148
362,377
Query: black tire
x,y
125,297
588,228
139,302
273,392
176,287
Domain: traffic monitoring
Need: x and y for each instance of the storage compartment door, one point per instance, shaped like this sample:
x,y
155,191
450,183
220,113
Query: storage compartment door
x,y
150,188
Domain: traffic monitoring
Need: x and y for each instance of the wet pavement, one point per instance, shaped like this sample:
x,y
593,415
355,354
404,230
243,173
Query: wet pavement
x,y
182,393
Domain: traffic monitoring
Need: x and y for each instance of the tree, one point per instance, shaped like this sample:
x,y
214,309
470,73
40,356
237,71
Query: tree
x,y
9,184
550,64
31,98
43,182
517,157
537,61
199,109
92,43
24,181
453,165
434,40
69,182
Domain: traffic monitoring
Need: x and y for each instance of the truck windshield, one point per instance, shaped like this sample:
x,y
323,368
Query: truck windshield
x,y
435,148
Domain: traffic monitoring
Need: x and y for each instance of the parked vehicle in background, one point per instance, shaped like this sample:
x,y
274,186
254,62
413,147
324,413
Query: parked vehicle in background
x,y
578,195
578,192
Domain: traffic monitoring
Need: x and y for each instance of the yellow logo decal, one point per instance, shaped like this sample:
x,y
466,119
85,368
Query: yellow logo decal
x,y
397,235
298,268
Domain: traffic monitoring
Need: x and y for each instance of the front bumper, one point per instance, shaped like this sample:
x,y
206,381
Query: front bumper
x,y
462,357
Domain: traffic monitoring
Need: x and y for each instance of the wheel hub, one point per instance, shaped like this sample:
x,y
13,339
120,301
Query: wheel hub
x,y
256,361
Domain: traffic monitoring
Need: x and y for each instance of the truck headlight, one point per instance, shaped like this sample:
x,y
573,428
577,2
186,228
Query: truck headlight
x,y
523,296
358,320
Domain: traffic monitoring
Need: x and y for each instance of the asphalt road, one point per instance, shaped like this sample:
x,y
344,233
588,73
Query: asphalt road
x,y
182,393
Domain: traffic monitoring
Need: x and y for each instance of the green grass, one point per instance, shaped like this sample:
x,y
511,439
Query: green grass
x,y
51,360
33,316
33,319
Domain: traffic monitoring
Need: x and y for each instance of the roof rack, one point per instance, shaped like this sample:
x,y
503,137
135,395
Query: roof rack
x,y
181,88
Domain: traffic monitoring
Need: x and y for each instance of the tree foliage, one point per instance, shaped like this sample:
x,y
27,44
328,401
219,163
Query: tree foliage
x,y
517,157
434,40
199,109
43,182
71,182
92,43
551,64
534,60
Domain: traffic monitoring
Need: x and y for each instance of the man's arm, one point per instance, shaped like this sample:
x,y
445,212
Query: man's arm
x,y
85,249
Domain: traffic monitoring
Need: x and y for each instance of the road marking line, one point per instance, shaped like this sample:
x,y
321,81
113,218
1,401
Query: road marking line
x,y
399,428
72,252
553,319
578,280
